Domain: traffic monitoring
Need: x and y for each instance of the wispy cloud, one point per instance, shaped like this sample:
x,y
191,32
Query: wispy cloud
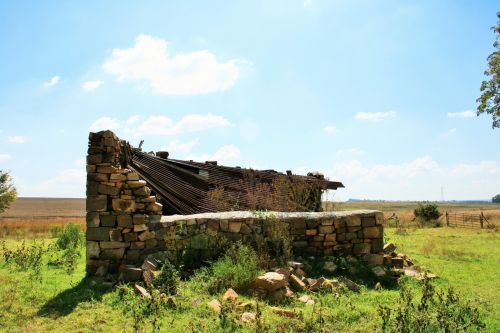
x,y
375,116
5,157
176,147
17,139
448,133
463,114
163,125
91,85
104,123
225,154
329,129
52,82
192,73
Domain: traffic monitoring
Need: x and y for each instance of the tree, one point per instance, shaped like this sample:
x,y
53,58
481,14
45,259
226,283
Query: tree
x,y
8,193
489,101
496,199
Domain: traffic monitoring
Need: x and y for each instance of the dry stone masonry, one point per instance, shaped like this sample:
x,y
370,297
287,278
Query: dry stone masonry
x,y
125,225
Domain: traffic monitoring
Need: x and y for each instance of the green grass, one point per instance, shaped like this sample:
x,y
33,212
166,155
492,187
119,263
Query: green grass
x,y
467,260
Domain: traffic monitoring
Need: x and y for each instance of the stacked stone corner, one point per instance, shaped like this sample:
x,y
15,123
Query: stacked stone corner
x,y
120,208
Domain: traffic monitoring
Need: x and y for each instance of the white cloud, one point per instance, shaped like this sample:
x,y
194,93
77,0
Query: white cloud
x,y
134,119
104,123
80,162
163,125
180,74
17,139
419,179
52,82
448,133
225,154
66,184
184,148
4,157
91,85
375,116
350,151
329,129
463,114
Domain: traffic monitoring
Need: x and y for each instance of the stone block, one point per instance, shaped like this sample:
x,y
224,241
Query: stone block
x,y
245,229
123,206
340,222
92,188
98,234
128,273
130,237
200,242
140,219
124,220
136,183
97,177
389,248
150,243
353,221
350,236
97,203
361,248
331,238
327,222
146,235
106,169
377,245
94,159
368,221
311,232
108,220
92,219
115,235
132,176
140,227
155,207
93,249
234,226
298,224
373,232
112,254
108,190
117,177
143,192
113,245
300,244
137,245
91,168
270,281
224,225
373,258
326,229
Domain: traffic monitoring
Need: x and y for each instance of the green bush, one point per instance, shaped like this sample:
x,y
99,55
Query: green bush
x,y
427,212
167,280
435,312
67,246
237,269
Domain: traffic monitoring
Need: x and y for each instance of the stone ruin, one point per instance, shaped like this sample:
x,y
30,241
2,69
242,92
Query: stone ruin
x,y
125,221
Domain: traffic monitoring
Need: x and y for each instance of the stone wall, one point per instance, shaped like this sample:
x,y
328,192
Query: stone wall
x,y
124,224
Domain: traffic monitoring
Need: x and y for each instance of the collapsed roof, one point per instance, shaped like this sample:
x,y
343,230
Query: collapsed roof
x,y
188,187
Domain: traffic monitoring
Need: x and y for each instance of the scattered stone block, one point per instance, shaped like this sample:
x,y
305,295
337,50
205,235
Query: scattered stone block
x,y
306,299
230,295
285,312
296,283
247,317
215,305
270,281
142,291
329,266
128,273
379,271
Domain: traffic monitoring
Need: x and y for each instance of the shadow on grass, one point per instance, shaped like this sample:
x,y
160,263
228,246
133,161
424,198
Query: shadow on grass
x,y
65,302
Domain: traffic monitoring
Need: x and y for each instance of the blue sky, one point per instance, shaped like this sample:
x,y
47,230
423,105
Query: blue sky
x,y
379,95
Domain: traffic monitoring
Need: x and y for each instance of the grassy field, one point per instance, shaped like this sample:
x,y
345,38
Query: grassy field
x,y
468,260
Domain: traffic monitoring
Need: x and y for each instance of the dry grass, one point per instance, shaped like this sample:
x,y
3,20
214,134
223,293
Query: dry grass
x,y
404,210
30,208
34,228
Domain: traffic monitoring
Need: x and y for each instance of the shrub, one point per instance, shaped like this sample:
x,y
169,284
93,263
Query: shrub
x,y
67,247
427,212
167,280
447,312
237,269
24,258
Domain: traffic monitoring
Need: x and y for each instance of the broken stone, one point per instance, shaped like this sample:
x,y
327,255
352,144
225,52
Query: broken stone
x,y
306,299
215,305
123,206
375,259
379,271
296,283
230,295
142,291
295,264
270,281
351,285
397,262
247,317
136,183
389,248
129,273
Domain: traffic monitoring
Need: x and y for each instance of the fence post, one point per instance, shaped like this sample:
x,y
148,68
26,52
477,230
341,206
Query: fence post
x,y
447,219
481,219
